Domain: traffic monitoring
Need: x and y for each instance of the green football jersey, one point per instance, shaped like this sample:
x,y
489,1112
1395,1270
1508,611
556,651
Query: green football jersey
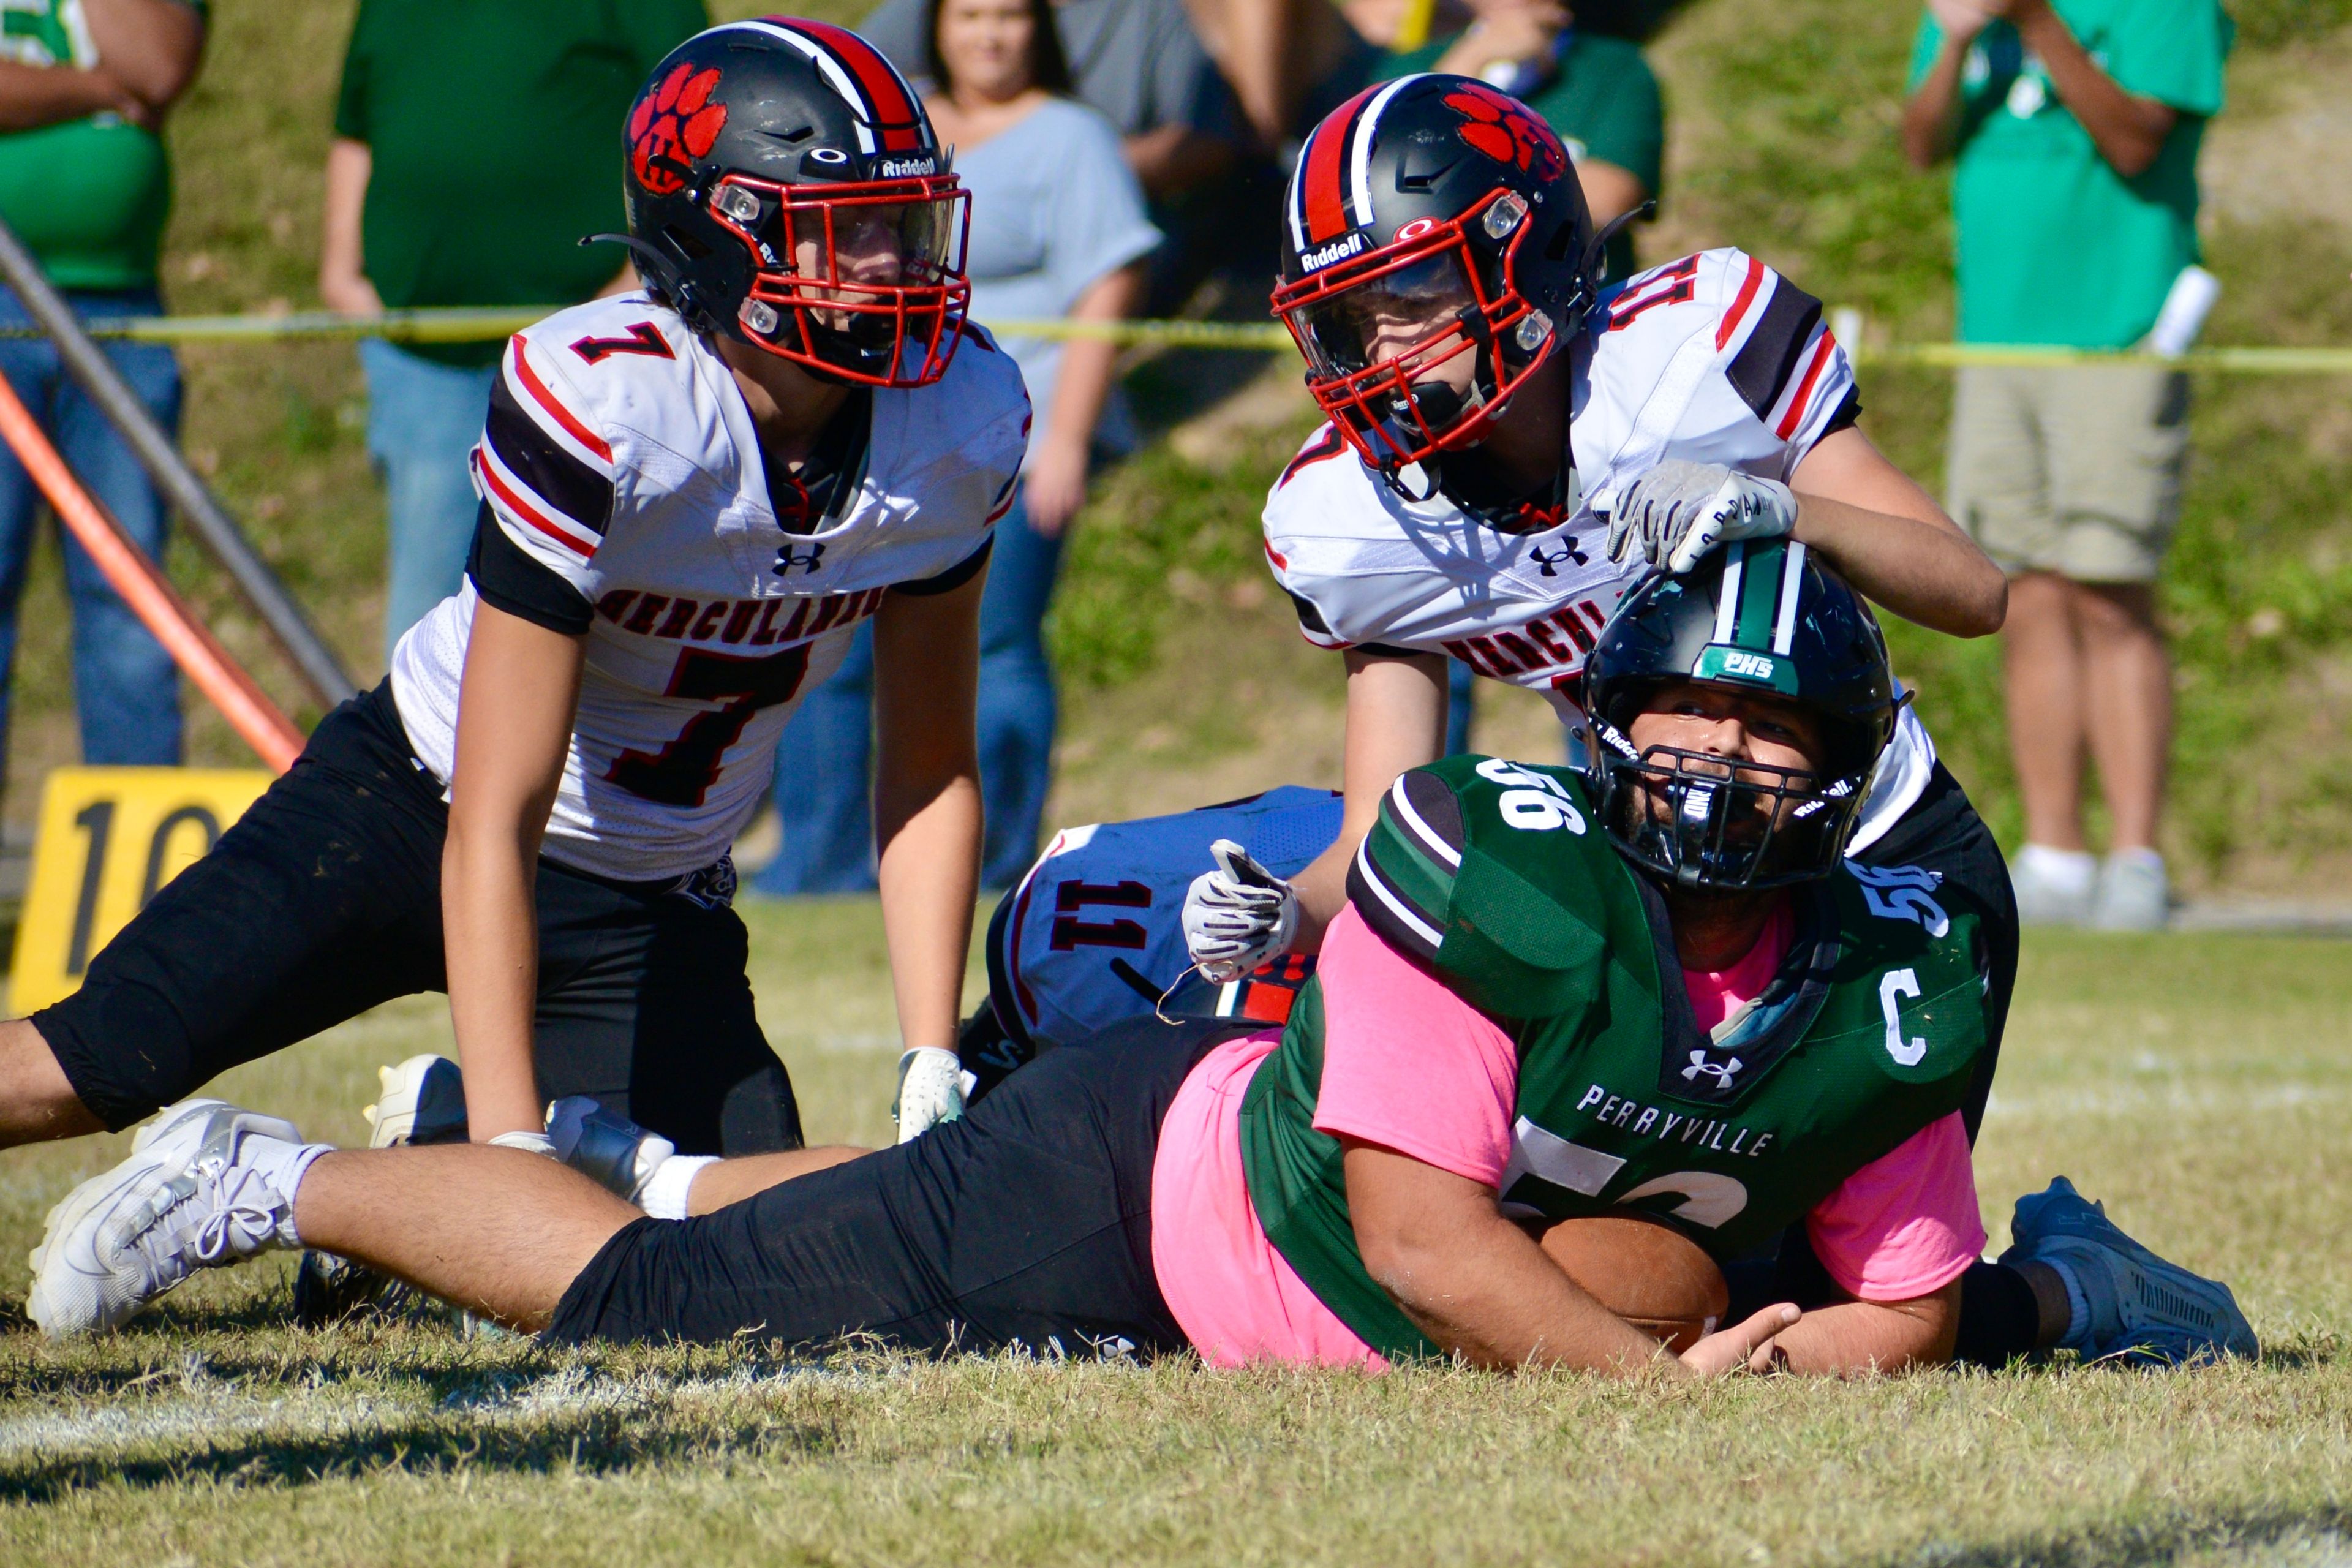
x,y
1497,876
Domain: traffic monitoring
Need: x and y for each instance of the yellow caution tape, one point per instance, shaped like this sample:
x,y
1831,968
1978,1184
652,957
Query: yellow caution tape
x,y
488,325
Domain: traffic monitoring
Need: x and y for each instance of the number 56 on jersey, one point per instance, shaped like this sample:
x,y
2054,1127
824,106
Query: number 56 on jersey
x,y
109,838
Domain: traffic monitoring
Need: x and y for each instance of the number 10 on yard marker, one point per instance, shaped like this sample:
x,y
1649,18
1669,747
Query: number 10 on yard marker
x,y
108,837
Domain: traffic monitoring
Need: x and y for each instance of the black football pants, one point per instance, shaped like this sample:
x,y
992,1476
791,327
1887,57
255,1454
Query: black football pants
x,y
1026,1222
325,899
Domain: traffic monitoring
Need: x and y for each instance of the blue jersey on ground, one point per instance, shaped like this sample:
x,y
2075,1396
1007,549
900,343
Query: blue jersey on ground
x,y
1094,934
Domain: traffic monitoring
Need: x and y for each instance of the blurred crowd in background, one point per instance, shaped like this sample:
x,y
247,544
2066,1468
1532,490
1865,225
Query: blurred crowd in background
x,y
1126,159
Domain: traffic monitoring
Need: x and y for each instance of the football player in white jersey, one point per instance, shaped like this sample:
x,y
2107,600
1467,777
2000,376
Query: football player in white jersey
x,y
690,498
1511,444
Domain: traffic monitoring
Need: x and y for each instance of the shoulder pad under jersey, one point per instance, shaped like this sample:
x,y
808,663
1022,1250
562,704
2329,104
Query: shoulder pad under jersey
x,y
1909,981
1496,876
566,389
982,405
1717,353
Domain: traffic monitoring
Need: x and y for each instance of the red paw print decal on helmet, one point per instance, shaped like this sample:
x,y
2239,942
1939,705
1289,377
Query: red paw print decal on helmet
x,y
1507,131
672,125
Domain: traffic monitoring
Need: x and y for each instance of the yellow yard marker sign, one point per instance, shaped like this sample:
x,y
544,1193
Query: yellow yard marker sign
x,y
108,837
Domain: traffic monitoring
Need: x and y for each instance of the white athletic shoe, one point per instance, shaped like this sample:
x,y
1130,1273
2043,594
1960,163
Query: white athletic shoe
x,y
181,1201
2053,887
422,1100
2134,894
2127,1301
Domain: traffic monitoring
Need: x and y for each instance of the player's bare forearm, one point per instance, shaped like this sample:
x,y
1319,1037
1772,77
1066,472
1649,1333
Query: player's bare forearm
x,y
516,704
1863,1336
1477,1284
1893,541
1396,721
2128,130
1482,1289
927,815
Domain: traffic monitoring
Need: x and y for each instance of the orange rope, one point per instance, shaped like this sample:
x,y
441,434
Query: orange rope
x,y
149,594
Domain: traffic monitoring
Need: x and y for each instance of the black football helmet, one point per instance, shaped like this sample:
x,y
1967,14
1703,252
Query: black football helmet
x,y
785,187
1765,618
1433,226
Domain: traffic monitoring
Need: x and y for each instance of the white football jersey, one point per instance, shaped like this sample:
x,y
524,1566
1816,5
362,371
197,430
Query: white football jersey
x,y
1712,359
619,455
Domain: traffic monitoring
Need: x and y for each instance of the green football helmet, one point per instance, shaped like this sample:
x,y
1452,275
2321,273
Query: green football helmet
x,y
1761,617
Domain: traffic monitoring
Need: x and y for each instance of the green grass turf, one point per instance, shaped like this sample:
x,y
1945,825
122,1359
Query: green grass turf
x,y
2198,1084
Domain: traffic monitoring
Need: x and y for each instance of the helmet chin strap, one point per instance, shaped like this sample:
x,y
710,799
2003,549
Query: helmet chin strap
x,y
659,270
1596,254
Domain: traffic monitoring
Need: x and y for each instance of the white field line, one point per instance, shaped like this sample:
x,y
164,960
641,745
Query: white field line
x,y
2208,1097
206,1415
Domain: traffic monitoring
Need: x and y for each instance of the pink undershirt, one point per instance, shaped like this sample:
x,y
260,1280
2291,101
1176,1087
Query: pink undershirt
x,y
1410,1067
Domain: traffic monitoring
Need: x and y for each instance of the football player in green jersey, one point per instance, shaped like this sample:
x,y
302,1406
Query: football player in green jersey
x,y
1658,987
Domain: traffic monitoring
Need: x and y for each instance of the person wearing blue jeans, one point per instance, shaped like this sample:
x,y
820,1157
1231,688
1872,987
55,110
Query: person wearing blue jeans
x,y
424,417
125,688
1058,230
826,803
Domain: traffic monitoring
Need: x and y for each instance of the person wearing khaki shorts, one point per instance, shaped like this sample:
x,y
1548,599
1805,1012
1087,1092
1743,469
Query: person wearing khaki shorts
x,y
2070,479
2073,126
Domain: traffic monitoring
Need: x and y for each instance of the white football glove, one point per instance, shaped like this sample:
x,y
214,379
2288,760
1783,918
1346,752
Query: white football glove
x,y
1237,916
930,1090
1679,511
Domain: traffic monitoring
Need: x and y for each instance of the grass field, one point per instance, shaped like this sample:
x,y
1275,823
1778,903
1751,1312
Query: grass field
x,y
2201,1086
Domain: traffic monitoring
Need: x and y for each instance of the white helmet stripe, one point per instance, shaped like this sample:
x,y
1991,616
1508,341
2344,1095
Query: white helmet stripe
x,y
1359,163
1299,191
1727,604
1792,578
840,80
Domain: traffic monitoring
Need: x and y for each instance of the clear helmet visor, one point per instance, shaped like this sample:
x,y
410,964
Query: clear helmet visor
x,y
872,243
1386,316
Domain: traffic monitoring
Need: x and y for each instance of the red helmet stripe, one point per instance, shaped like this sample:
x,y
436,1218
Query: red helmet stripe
x,y
897,120
1322,173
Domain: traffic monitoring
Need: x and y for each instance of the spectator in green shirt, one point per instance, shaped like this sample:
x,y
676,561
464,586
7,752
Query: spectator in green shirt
x,y
1597,93
474,145
2074,128
85,184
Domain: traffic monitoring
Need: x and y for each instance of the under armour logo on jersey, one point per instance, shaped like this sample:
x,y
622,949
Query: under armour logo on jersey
x,y
1699,1064
1568,552
810,560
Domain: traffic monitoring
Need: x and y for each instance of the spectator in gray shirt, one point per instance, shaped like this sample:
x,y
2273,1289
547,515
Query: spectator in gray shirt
x,y
1138,63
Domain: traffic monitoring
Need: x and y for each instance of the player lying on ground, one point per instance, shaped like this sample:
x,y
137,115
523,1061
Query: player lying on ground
x,y
690,498
1654,988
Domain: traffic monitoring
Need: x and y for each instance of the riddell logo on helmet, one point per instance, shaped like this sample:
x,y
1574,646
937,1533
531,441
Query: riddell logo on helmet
x,y
1338,250
908,168
672,124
